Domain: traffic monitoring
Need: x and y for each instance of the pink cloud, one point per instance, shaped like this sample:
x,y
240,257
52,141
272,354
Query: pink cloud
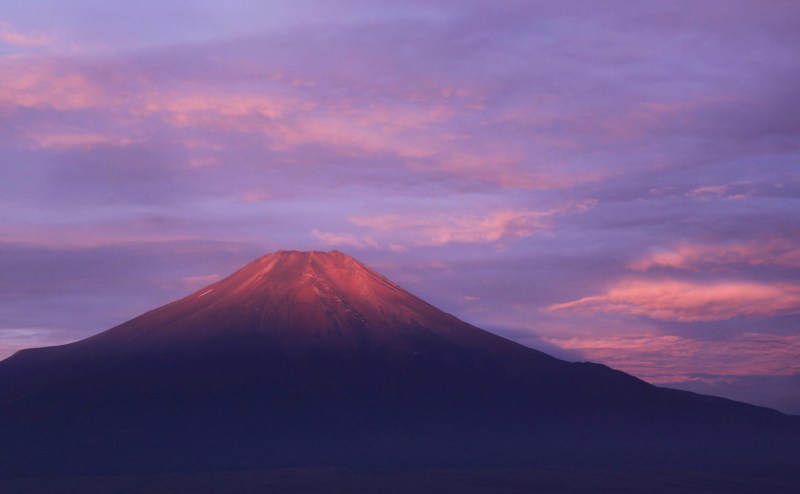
x,y
690,256
199,281
733,192
344,239
284,113
68,140
660,358
344,134
397,248
204,161
531,180
439,229
445,228
252,196
187,107
644,117
709,190
509,168
424,128
671,300
36,82
69,236
13,37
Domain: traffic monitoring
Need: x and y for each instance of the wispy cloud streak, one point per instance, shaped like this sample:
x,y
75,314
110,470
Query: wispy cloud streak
x,y
671,300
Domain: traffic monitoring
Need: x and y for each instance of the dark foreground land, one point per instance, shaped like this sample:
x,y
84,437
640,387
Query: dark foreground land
x,y
500,481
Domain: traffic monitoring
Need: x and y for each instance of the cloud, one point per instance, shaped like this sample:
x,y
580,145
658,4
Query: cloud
x,y
442,108
671,300
252,196
439,229
85,140
445,228
663,358
42,82
344,239
735,191
16,38
279,114
83,236
545,180
775,251
199,281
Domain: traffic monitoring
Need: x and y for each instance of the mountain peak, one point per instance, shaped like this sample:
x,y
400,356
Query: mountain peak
x,y
305,255
300,302
301,277
292,266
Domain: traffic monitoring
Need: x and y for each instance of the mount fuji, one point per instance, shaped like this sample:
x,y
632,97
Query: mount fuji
x,y
313,360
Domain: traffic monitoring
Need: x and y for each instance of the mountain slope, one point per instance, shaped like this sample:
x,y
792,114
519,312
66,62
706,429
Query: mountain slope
x,y
292,303
311,358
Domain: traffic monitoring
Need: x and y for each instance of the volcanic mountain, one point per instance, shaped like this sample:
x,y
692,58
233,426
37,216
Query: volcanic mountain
x,y
313,359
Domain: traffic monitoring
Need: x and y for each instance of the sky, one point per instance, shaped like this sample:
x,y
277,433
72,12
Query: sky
x,y
611,181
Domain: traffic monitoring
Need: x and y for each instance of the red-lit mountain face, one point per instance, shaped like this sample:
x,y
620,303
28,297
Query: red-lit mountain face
x,y
297,308
300,302
311,358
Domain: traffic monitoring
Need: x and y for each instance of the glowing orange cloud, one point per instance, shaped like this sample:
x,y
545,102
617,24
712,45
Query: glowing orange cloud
x,y
683,301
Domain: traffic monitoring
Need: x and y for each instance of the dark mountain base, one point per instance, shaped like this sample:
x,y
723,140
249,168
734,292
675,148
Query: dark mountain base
x,y
257,411
552,480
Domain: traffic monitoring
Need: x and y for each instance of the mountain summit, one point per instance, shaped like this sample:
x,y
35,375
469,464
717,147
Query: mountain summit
x,y
312,358
301,302
294,304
